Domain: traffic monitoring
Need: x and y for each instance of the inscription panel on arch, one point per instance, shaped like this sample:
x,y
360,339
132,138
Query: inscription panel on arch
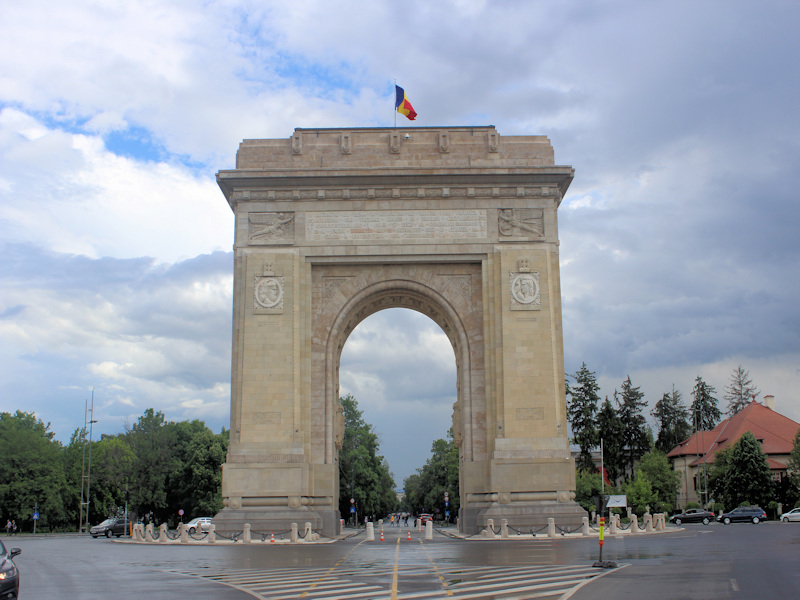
x,y
390,225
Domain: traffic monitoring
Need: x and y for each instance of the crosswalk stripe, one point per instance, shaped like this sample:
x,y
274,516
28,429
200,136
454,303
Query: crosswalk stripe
x,y
371,583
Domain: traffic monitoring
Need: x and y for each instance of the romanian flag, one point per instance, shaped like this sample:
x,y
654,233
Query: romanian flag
x,y
402,104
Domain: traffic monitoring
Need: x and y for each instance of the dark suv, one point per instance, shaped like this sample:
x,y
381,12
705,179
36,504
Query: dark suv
x,y
743,514
117,526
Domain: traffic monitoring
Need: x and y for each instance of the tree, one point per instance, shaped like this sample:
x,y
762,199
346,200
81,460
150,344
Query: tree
x,y
363,473
640,493
587,487
31,462
611,431
704,407
581,411
740,392
792,492
673,421
741,474
424,491
636,435
663,479
155,460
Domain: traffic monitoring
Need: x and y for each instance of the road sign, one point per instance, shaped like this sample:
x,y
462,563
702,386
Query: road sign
x,y
446,495
447,513
446,503
180,512
352,509
352,501
36,516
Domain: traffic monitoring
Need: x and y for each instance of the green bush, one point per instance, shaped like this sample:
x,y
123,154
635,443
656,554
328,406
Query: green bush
x,y
692,505
745,503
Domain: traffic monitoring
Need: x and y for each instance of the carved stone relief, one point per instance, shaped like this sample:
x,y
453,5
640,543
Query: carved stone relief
x,y
524,291
267,418
271,228
520,222
330,285
338,426
530,414
268,293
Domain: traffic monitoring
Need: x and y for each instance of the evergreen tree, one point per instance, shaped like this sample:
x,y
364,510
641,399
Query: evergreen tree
x,y
705,408
793,492
673,421
636,437
740,392
363,473
741,474
581,410
611,431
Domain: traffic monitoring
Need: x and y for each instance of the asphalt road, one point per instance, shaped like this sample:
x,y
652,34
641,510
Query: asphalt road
x,y
704,562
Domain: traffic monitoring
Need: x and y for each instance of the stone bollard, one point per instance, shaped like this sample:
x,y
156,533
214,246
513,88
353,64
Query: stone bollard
x,y
162,533
504,528
429,530
635,524
370,532
490,528
551,527
246,536
648,523
183,530
380,524
148,533
585,529
293,534
418,524
212,534
341,527
309,535
612,524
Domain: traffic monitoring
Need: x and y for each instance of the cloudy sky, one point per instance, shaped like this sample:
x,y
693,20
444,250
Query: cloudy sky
x,y
679,250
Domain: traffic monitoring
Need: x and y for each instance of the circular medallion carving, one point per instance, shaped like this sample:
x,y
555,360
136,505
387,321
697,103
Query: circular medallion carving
x,y
524,288
269,292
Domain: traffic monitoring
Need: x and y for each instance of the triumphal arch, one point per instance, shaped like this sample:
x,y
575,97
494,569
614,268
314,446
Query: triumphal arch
x,y
333,225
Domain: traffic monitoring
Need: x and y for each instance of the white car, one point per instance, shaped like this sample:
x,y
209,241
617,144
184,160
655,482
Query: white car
x,y
792,515
199,524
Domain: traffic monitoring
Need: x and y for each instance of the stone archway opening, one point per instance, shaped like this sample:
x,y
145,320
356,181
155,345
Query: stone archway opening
x,y
400,367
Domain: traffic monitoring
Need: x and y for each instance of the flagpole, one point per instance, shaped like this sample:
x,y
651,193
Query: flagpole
x,y
395,101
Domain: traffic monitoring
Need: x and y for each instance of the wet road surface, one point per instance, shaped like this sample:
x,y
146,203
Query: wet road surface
x,y
705,562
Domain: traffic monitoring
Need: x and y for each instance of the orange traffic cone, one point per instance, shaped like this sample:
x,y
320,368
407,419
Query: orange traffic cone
x,y
272,538
409,535
382,535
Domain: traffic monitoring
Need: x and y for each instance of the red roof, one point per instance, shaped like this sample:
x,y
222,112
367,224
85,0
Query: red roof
x,y
775,432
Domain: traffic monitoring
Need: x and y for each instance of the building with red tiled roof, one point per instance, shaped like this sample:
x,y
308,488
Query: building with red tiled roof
x,y
774,431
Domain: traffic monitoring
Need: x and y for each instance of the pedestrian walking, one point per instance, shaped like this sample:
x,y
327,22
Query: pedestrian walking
x,y
14,527
8,527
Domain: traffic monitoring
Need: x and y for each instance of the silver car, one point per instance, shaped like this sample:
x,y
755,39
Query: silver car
x,y
792,515
199,524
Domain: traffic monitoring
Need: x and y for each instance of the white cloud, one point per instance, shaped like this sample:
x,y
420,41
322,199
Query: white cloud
x,y
678,246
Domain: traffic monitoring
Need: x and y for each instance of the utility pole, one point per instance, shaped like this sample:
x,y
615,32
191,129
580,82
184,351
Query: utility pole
x,y
86,479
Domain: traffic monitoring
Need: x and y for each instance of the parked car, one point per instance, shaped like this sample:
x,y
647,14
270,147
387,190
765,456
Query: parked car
x,y
743,514
424,518
9,574
117,526
693,515
199,524
792,515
